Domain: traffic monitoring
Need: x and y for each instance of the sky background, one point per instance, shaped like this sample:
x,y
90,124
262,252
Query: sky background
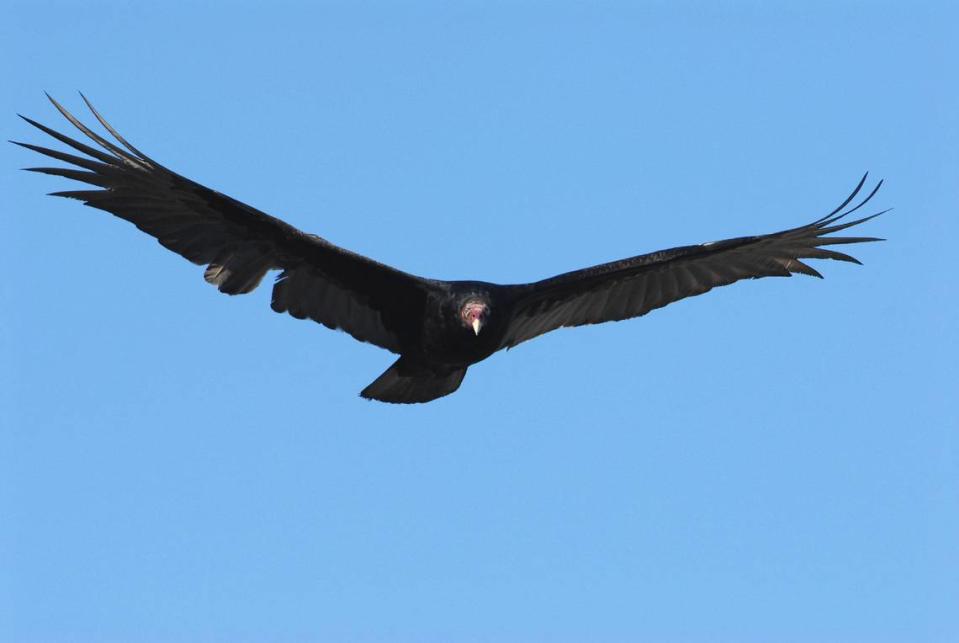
x,y
776,460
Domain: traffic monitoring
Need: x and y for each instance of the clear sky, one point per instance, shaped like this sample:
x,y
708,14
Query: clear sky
x,y
774,461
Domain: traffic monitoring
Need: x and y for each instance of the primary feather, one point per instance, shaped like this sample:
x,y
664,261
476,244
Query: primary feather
x,y
434,326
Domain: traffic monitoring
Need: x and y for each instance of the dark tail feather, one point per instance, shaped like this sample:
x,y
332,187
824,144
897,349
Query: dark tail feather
x,y
405,383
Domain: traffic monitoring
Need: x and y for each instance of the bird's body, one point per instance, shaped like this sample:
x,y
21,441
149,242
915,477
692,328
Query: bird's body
x,y
438,328
444,348
445,340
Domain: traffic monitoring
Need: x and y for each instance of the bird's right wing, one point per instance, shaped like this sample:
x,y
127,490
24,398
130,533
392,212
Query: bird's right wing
x,y
239,244
633,287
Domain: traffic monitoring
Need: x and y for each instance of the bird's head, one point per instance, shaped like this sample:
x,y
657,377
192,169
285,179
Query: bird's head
x,y
474,313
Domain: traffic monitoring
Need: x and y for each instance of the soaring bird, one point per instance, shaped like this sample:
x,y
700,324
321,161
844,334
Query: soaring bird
x,y
438,328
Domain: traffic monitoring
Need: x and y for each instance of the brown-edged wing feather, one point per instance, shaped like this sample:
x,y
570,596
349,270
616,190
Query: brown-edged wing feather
x,y
239,244
633,287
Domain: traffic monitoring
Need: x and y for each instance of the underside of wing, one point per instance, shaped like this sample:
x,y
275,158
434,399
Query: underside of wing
x,y
238,244
633,287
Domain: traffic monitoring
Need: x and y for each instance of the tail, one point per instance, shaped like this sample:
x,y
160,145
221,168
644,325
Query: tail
x,y
405,382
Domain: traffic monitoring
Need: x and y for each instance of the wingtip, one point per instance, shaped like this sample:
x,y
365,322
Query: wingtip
x,y
60,108
31,121
56,103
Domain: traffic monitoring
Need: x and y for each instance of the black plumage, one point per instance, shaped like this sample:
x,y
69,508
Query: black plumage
x,y
438,328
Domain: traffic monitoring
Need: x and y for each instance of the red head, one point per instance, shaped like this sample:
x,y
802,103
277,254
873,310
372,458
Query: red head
x,y
474,314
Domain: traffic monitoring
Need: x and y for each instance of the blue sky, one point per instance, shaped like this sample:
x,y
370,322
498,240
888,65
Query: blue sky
x,y
775,460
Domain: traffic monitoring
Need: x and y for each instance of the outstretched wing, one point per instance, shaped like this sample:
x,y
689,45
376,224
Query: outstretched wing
x,y
239,244
633,287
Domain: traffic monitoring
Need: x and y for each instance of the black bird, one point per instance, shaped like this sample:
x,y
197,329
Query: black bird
x,y
438,328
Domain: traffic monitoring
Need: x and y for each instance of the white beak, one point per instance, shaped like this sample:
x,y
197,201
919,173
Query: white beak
x,y
477,325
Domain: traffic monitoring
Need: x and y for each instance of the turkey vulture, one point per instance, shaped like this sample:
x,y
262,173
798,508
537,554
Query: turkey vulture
x,y
438,328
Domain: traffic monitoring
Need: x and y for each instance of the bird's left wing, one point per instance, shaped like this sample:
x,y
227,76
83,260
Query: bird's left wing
x,y
633,287
239,244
